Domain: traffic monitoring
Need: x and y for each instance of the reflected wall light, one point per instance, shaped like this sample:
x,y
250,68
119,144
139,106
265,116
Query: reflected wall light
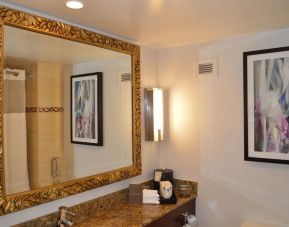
x,y
154,114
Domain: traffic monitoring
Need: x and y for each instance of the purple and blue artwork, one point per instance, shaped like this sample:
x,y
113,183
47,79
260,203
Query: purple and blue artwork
x,y
271,105
84,109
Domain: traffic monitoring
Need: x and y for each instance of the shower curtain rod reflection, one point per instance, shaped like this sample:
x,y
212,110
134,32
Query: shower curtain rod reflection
x,y
14,73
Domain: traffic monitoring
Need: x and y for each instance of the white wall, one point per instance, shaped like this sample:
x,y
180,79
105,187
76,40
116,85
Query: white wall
x,y
117,120
205,135
150,158
204,138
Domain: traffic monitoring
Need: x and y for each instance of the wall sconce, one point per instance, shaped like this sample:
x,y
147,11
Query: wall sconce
x,y
154,114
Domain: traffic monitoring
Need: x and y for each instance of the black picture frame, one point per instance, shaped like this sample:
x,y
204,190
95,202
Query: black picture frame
x,y
266,115
87,109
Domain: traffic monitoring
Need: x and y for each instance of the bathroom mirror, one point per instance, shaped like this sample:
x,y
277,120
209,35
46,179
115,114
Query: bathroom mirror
x,y
39,160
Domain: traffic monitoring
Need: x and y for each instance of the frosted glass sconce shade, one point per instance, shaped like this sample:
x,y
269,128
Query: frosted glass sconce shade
x,y
154,114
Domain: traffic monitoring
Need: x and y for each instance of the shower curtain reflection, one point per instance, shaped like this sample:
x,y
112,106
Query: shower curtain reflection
x,y
15,140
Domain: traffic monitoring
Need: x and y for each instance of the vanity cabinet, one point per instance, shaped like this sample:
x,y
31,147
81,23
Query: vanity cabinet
x,y
175,218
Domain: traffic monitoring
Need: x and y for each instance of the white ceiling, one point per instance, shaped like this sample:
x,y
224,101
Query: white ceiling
x,y
167,23
38,47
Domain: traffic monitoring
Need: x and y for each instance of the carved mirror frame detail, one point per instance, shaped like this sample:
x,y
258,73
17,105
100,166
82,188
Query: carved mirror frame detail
x,y
23,200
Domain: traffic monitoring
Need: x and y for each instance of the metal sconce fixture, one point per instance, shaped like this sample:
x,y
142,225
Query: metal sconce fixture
x,y
154,114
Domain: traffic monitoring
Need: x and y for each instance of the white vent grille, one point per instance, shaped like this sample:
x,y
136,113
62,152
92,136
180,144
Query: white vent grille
x,y
125,77
207,67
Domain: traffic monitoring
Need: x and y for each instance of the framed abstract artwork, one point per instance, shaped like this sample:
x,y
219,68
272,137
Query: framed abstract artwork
x,y
266,105
86,109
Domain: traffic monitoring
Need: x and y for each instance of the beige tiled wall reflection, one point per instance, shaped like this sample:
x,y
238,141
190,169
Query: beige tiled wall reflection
x,y
46,128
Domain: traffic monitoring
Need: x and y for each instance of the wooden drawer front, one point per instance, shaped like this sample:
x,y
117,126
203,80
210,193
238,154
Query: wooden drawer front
x,y
175,217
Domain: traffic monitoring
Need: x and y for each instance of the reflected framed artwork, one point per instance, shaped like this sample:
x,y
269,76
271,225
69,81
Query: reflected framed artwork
x,y
86,109
266,105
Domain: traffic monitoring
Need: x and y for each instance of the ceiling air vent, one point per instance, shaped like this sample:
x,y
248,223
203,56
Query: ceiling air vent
x,y
125,77
207,67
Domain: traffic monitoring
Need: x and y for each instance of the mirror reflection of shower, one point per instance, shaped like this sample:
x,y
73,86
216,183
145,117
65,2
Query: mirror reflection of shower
x,y
28,120
14,126
37,148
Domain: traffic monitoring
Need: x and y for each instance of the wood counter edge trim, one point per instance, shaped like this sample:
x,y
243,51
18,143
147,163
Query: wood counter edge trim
x,y
191,198
174,217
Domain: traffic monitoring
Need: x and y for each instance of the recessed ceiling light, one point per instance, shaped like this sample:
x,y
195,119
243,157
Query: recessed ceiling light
x,y
74,4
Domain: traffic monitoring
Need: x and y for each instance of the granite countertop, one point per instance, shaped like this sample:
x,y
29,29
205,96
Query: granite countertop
x,y
114,210
126,214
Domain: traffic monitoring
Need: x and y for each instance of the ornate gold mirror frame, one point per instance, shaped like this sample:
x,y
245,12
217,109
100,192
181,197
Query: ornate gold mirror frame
x,y
19,201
